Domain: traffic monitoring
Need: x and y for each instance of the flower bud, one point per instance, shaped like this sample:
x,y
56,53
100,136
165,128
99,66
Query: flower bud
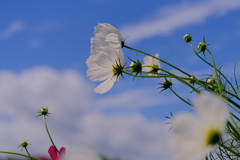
x,y
192,79
187,38
202,46
43,111
24,144
211,80
136,66
165,85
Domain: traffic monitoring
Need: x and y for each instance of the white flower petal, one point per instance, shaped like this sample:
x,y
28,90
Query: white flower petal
x,y
106,54
113,40
105,86
212,109
190,135
148,60
101,67
105,35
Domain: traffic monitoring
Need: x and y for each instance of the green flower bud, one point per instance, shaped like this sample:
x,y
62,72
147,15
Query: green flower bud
x,y
43,111
211,80
24,144
187,38
136,66
165,85
202,46
192,79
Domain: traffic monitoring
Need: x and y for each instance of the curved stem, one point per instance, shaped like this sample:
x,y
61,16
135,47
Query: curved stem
x,y
216,73
19,154
158,76
158,59
173,76
45,124
27,151
180,97
212,66
230,150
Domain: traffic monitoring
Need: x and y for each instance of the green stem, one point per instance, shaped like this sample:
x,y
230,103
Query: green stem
x,y
158,59
45,124
236,133
216,72
232,94
173,75
19,154
233,102
158,76
234,122
27,151
212,66
180,97
230,150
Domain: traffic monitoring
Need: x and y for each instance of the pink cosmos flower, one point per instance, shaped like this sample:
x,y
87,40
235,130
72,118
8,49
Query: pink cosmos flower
x,y
54,154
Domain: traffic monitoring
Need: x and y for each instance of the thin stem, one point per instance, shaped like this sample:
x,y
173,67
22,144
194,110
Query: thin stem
x,y
230,150
216,72
27,151
45,124
173,75
19,154
232,94
233,102
212,66
180,97
158,76
233,129
234,122
158,59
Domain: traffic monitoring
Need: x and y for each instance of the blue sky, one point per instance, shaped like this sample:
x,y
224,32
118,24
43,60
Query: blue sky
x,y
44,47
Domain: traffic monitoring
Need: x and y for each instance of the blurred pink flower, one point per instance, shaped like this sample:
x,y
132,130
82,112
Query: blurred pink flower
x,y
54,154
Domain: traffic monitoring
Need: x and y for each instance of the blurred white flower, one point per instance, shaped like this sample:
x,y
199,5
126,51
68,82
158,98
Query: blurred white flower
x,y
193,138
105,35
83,154
107,65
152,62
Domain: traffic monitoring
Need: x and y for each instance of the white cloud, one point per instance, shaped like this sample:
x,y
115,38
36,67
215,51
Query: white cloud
x,y
129,137
172,17
15,27
138,98
75,121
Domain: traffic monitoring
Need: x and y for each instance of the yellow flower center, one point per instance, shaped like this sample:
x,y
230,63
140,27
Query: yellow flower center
x,y
212,136
114,70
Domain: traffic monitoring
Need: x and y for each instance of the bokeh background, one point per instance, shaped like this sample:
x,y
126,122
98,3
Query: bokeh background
x,y
44,46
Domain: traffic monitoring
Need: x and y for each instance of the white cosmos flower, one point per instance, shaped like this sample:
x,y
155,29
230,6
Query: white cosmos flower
x,y
152,62
105,35
82,153
107,65
193,138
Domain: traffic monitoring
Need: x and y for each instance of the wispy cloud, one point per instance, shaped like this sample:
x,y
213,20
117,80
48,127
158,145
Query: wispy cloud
x,y
15,27
172,17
